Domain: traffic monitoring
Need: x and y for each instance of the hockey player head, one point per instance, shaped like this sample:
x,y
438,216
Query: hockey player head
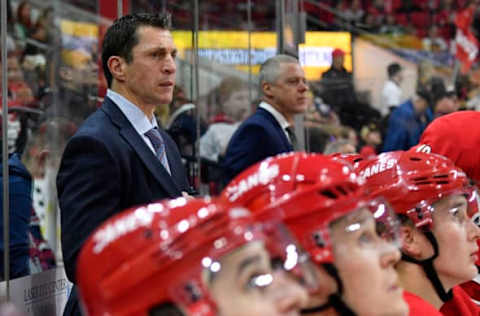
x,y
189,258
434,201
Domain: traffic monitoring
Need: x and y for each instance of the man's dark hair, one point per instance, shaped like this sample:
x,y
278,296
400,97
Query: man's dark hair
x,y
393,69
122,36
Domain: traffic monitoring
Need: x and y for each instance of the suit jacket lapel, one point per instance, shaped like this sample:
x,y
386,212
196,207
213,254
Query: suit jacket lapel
x,y
174,161
153,164
278,129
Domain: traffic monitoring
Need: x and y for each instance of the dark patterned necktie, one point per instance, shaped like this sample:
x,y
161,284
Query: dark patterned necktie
x,y
159,146
292,136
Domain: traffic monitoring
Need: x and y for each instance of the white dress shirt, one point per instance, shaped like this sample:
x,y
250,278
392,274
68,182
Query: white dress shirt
x,y
278,116
135,116
391,96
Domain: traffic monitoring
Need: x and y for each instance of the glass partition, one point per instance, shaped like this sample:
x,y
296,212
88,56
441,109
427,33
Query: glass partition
x,y
55,81
53,84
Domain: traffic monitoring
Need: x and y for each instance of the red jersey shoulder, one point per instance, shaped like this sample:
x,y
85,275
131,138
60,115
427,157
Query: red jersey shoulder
x,y
460,304
418,306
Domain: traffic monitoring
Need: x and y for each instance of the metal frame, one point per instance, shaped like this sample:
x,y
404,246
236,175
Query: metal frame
x,y
283,49
6,202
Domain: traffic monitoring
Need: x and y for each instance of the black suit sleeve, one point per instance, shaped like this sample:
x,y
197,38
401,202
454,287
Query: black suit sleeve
x,y
89,192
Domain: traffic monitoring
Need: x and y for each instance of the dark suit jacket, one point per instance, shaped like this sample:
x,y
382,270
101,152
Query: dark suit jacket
x,y
258,137
107,167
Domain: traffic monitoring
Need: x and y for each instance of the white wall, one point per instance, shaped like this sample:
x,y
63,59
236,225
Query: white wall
x,y
370,63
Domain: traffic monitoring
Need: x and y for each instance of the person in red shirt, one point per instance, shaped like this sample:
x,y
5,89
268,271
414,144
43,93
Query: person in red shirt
x,y
433,199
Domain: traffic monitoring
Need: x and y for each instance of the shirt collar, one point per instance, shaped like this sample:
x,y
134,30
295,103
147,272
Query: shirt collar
x,y
135,116
277,115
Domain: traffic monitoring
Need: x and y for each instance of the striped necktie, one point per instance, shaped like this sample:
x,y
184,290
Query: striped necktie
x,y
159,146
292,136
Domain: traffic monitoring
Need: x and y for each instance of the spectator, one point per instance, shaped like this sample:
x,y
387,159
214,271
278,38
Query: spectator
x,y
235,105
407,122
77,77
354,13
408,6
371,139
316,139
350,134
445,100
319,113
15,72
391,27
24,25
434,42
42,257
337,83
341,146
282,88
377,13
20,196
392,90
182,123
338,91
44,27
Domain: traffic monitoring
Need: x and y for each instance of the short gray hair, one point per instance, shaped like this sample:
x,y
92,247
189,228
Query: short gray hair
x,y
270,69
335,146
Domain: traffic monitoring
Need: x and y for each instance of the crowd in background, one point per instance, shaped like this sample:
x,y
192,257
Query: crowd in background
x,y
38,128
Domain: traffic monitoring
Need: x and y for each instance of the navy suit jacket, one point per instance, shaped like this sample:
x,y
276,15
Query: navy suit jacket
x,y
106,168
258,137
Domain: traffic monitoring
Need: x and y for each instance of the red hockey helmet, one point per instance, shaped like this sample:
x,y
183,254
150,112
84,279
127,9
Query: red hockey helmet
x,y
355,160
161,253
307,192
412,181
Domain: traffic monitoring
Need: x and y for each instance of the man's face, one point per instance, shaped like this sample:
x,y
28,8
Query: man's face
x,y
289,92
337,62
398,77
237,106
87,71
446,105
456,235
420,105
237,293
150,76
362,257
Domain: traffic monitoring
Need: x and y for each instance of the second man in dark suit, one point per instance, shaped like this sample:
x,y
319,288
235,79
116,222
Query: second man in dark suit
x,y
269,131
119,157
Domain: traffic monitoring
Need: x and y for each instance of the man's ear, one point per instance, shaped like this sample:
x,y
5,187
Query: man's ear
x,y
267,89
412,243
117,66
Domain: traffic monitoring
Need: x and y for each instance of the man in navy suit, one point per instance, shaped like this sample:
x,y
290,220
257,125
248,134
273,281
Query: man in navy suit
x,y
269,131
119,157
